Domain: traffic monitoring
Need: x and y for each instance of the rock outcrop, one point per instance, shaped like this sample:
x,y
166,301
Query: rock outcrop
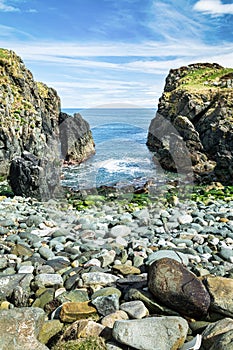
x,y
31,121
194,123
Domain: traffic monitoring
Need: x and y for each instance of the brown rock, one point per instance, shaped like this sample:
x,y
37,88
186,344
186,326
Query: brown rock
x,y
221,292
178,288
109,320
71,312
127,270
83,329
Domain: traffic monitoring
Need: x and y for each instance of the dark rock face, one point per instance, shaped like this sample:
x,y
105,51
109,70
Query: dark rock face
x,y
31,121
76,138
178,288
35,177
196,105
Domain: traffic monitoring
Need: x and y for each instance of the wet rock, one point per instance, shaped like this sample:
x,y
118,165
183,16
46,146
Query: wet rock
x,y
154,333
178,288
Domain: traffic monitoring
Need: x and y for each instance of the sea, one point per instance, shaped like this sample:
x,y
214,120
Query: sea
x,y
122,156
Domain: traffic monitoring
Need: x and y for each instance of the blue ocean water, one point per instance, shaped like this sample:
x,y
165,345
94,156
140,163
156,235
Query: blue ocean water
x,y
121,153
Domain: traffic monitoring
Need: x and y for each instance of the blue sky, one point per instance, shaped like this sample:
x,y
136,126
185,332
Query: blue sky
x,y
96,52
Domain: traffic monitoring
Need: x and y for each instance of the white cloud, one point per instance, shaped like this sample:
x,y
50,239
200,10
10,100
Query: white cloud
x,y
4,7
213,7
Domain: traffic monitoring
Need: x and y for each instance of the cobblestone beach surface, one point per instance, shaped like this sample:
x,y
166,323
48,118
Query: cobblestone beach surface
x,y
155,277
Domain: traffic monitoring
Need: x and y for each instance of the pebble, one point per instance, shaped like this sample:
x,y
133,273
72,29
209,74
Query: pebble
x,y
90,269
135,309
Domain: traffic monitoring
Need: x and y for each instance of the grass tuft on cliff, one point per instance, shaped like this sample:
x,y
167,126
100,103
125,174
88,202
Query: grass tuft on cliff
x,y
208,77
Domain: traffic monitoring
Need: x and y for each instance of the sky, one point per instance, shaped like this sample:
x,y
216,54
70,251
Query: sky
x,y
98,52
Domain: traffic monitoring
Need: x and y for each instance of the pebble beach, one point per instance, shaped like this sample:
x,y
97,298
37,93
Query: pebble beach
x,y
116,275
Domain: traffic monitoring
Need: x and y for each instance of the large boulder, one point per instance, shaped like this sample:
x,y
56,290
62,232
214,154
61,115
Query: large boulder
x,y
178,288
195,109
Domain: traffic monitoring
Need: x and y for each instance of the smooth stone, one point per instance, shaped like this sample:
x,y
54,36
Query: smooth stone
x,y
71,312
116,346
19,328
83,329
75,295
107,257
5,305
58,263
153,333
98,278
22,250
185,219
171,254
226,254
127,270
221,292
72,281
48,280
106,305
44,298
26,269
214,334
143,215
49,329
106,292
109,320
46,253
3,263
178,288
120,231
135,309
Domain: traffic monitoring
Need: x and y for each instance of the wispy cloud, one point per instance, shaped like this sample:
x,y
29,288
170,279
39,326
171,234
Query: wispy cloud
x,y
67,52
172,20
213,7
5,7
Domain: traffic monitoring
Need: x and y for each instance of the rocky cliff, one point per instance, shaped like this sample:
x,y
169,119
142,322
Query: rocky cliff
x,y
31,121
196,109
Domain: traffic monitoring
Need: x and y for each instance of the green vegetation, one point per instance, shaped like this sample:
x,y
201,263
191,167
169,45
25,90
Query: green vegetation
x,y
5,189
4,54
207,194
92,343
204,78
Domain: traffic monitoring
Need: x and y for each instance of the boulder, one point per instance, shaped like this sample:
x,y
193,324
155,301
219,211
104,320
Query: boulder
x,y
178,288
153,333
19,328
